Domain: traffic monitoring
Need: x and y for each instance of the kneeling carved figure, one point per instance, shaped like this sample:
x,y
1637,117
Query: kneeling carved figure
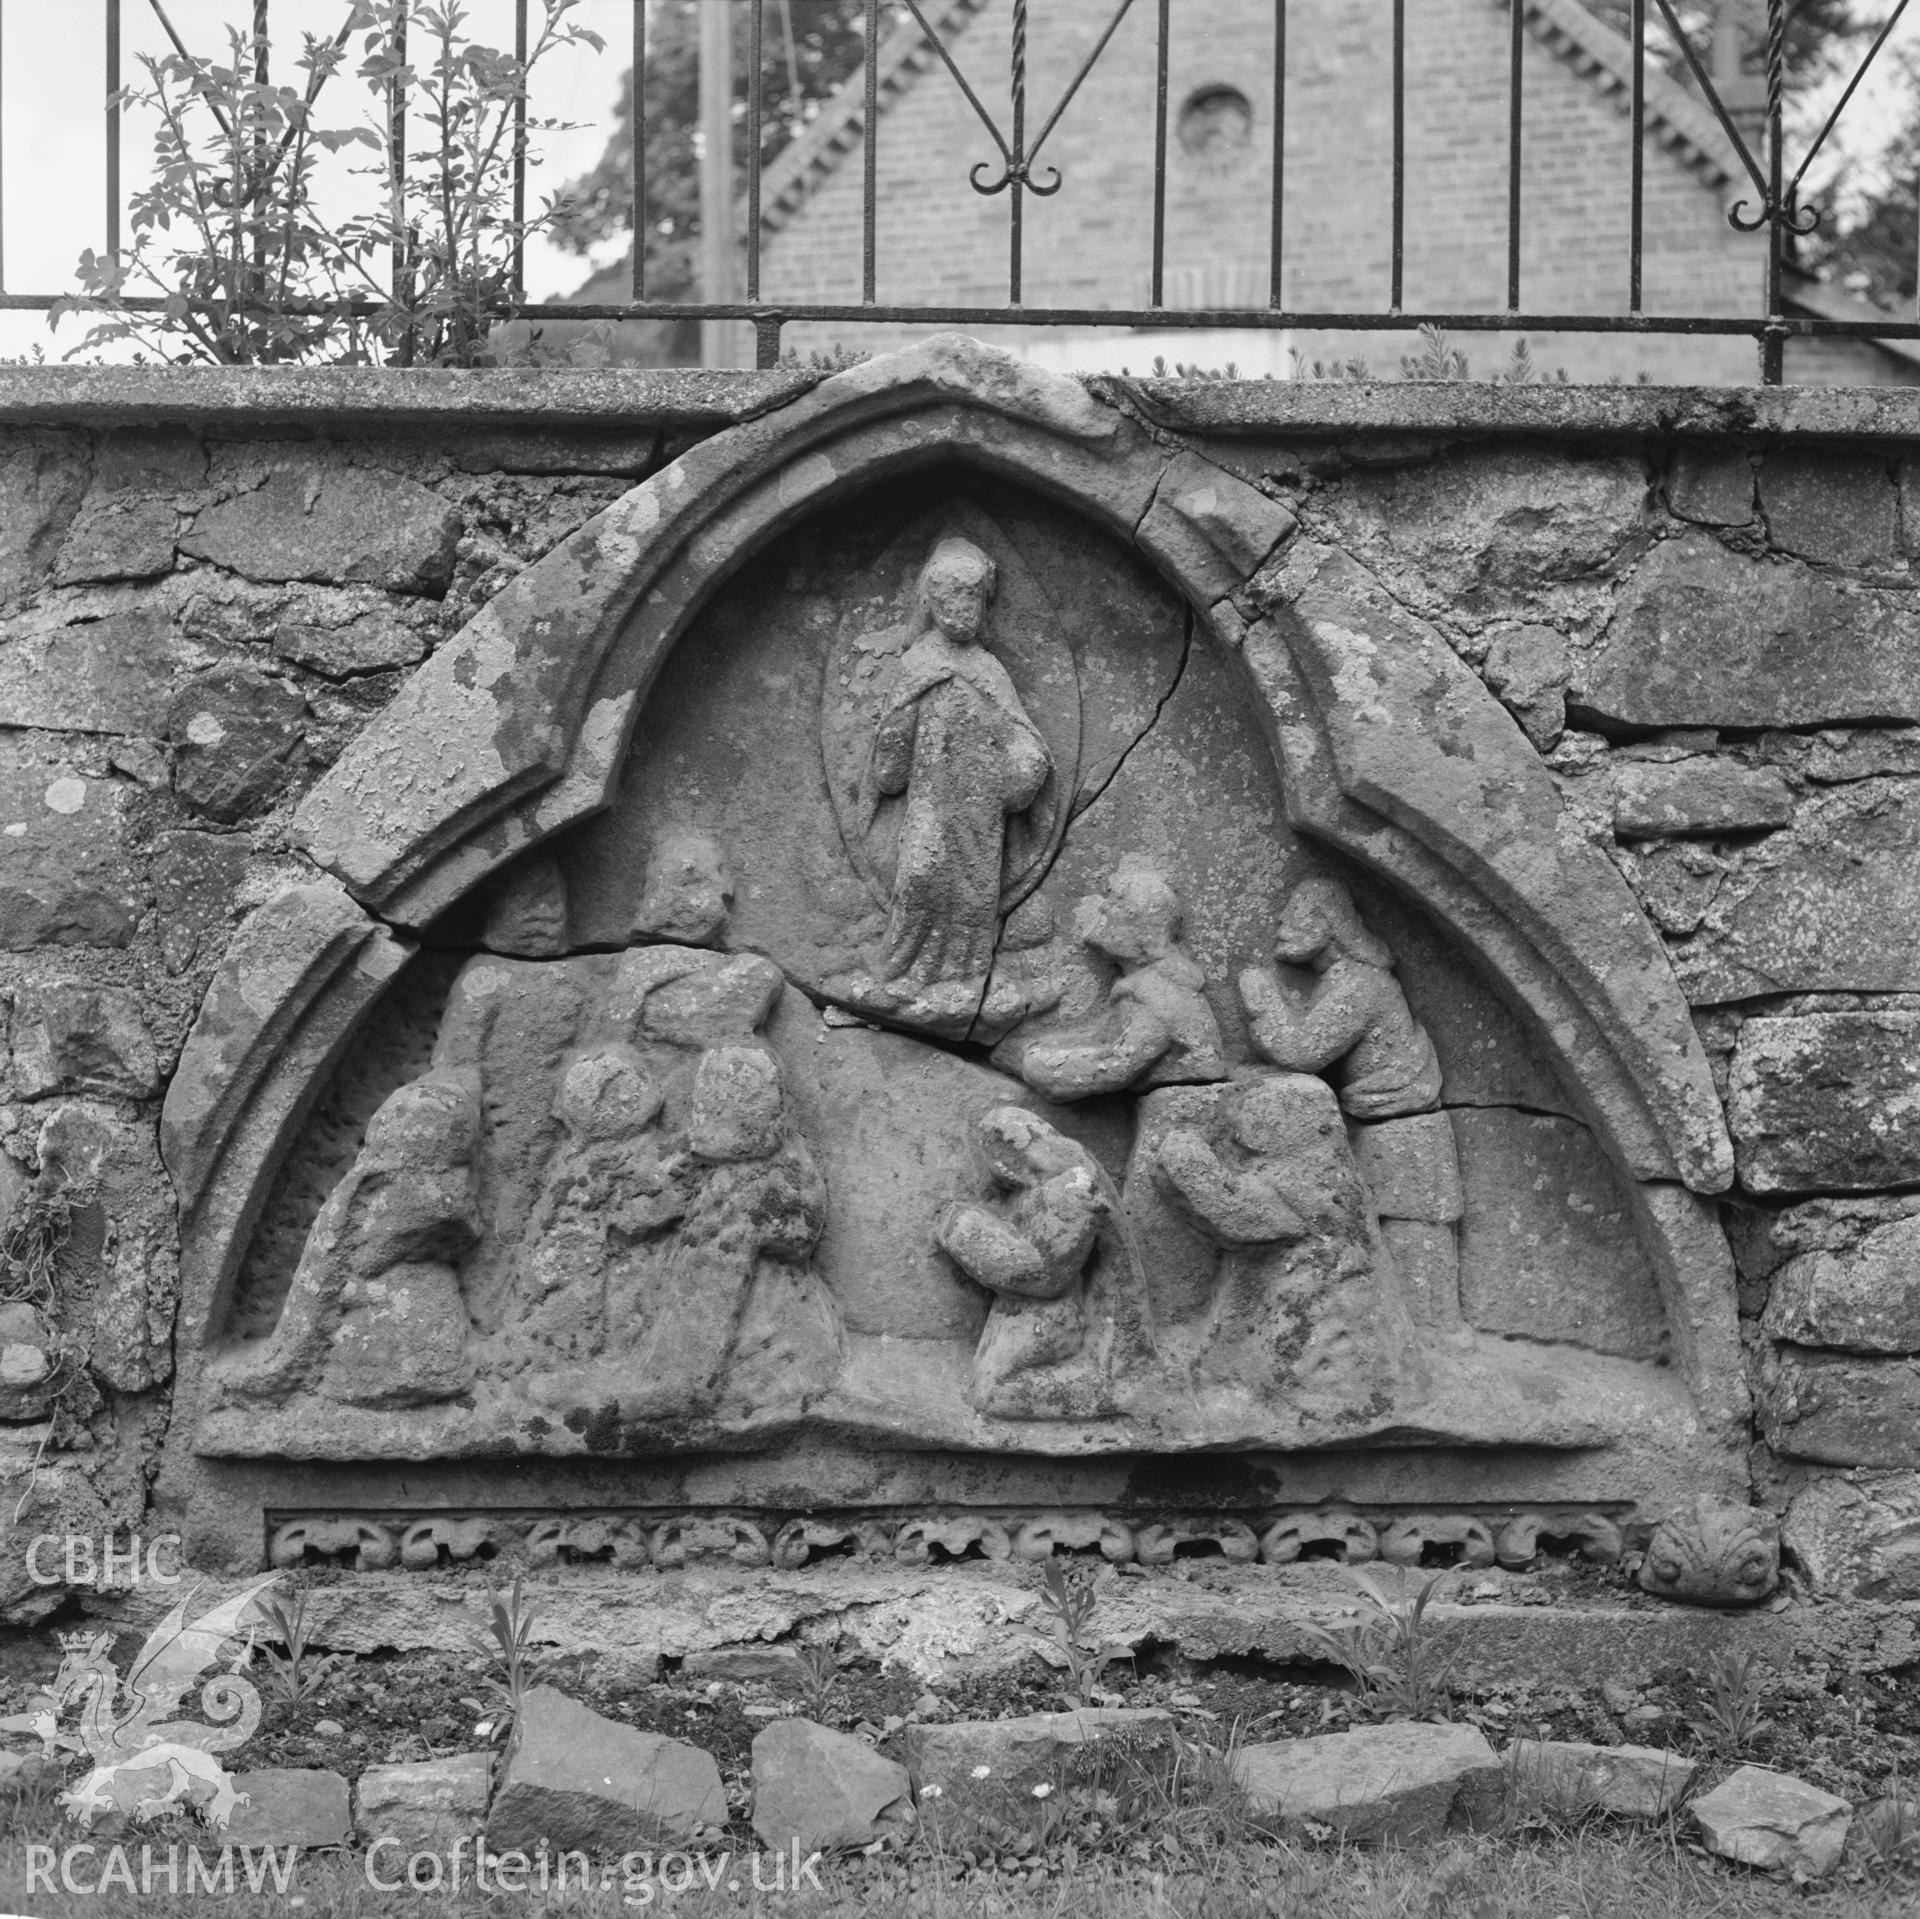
x,y
1069,1319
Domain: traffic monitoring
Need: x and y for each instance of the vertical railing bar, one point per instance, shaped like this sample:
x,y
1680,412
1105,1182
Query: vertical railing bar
x,y
1636,181
1399,152
1515,52
1016,204
1274,246
397,141
257,198
520,151
3,147
718,281
756,27
639,156
870,145
1773,347
113,128
1158,295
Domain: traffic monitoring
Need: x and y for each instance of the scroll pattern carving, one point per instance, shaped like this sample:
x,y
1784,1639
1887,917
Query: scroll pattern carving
x,y
634,1541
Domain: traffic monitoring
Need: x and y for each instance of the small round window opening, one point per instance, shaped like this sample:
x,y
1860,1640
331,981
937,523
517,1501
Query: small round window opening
x,y
1216,126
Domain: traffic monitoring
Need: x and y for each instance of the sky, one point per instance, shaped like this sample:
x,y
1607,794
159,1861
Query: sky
x,y
52,85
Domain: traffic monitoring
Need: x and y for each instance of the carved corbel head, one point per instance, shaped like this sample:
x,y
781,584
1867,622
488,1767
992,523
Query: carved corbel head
x,y
1717,1553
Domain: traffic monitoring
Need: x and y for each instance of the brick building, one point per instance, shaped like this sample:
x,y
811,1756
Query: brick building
x,y
1090,245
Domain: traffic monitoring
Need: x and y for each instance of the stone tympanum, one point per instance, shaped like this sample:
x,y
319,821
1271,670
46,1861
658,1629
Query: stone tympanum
x,y
885,985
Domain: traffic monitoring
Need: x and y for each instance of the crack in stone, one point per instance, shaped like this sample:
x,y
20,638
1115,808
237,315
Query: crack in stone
x,y
1511,1106
1123,396
966,1048
1082,806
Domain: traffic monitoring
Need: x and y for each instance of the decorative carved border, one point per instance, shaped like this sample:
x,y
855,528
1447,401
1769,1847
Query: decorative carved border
x,y
641,1540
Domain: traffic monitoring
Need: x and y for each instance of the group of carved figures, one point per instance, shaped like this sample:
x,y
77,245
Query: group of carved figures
x,y
672,1207
1330,1202
671,1212
675,1208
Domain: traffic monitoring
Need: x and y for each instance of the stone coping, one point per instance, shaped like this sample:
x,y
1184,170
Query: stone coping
x,y
628,398
429,399
1286,407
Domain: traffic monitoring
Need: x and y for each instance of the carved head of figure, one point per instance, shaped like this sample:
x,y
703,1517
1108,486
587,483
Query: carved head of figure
x,y
689,890
1718,1553
1137,918
426,1126
739,1108
1320,922
607,1095
956,588
1021,1149
1290,1116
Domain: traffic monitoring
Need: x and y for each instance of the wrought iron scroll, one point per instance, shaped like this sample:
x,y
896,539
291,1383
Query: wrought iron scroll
x,y
1778,211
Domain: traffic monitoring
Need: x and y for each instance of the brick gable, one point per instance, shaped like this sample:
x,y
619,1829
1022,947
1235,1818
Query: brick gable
x,y
941,242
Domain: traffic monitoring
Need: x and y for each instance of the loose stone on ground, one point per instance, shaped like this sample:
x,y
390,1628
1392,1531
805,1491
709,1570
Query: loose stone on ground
x,y
426,1806
576,1780
1377,1783
290,1806
1774,1820
824,1791
1567,1777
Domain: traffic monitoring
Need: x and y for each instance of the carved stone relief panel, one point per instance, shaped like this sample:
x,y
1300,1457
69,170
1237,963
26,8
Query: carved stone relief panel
x,y
943,1039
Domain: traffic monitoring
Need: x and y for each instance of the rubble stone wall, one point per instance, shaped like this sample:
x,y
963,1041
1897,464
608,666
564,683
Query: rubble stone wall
x,y
1703,616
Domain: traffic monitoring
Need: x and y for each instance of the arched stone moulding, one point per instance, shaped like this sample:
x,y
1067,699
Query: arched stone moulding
x,y
1389,750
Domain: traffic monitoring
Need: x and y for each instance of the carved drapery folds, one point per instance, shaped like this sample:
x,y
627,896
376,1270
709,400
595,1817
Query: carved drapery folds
x,y
1049,965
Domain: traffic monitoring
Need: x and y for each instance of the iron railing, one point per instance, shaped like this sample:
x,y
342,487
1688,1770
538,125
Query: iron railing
x,y
1776,210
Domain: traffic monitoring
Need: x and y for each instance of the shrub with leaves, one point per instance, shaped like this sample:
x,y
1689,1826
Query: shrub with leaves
x,y
1071,1605
31,1243
1731,1716
1438,358
296,1675
1523,370
235,257
1388,1647
509,1634
816,1671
